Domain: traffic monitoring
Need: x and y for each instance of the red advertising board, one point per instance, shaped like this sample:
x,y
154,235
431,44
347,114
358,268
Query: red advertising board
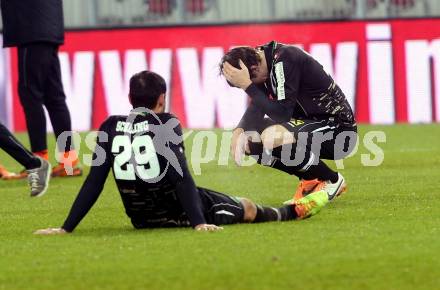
x,y
389,71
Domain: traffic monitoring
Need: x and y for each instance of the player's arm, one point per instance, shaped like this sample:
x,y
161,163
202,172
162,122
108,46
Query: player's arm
x,y
190,200
248,122
280,110
252,115
186,189
89,193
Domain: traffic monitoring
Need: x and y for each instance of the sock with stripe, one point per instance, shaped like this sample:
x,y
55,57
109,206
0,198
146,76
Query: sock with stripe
x,y
320,171
307,169
304,170
271,214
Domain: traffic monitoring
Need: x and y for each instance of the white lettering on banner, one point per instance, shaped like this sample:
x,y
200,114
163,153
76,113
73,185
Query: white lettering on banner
x,y
78,86
206,91
419,81
345,65
160,63
116,79
435,53
231,103
380,74
3,84
6,112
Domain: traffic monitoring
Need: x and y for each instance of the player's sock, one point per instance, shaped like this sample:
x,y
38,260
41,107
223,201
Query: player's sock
x,y
287,213
320,171
256,149
270,214
262,156
307,169
43,154
267,214
304,170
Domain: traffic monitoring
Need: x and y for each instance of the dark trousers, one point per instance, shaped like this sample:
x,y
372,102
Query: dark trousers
x,y
310,146
16,150
39,84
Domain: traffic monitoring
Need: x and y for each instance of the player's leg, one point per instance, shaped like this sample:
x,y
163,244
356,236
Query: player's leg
x,y
273,136
38,169
16,150
292,148
223,209
33,67
55,102
298,148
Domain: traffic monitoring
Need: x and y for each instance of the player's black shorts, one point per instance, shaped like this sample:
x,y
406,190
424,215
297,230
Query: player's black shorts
x,y
339,144
218,208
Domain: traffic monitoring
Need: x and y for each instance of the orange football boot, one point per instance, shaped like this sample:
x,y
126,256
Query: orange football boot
x,y
67,167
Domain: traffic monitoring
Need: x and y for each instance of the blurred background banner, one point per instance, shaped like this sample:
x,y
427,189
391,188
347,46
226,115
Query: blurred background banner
x,y
389,69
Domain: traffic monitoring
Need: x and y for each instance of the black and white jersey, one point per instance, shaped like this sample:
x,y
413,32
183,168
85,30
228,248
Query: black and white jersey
x,y
146,154
298,87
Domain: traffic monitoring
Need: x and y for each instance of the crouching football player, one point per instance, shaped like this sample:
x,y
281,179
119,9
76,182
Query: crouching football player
x,y
308,116
145,151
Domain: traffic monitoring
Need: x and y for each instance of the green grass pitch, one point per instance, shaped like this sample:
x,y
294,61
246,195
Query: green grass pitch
x,y
384,233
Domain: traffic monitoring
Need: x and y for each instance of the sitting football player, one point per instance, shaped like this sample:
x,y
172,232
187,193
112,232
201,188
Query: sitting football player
x,y
146,153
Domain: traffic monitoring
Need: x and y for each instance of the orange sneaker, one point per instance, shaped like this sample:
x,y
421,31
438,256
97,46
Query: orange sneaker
x,y
305,187
14,176
68,166
23,174
6,175
4,172
61,171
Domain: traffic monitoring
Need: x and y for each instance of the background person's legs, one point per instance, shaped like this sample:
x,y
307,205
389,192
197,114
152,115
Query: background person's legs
x,y
33,67
40,84
37,168
55,102
16,150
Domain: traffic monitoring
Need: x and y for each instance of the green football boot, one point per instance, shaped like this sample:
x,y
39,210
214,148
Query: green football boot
x,y
310,204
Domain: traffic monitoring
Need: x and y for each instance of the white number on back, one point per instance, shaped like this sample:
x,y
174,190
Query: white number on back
x,y
144,153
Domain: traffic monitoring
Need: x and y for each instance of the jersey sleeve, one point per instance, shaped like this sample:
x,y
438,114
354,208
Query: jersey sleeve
x,y
251,117
181,178
287,71
278,111
94,183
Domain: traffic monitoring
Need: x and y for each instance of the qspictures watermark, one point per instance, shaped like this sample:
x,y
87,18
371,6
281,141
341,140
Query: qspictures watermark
x,y
138,152
138,143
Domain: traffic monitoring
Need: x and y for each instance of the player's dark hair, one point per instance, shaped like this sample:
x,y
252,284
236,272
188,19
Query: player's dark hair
x,y
248,55
145,89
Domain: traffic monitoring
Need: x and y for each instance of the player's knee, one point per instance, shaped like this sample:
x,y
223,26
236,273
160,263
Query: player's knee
x,y
276,135
250,210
